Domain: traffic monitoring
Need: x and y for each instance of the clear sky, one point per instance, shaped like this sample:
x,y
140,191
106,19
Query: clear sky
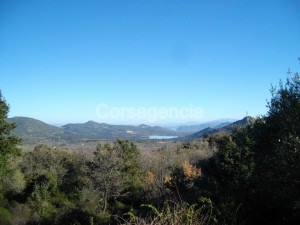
x,y
60,60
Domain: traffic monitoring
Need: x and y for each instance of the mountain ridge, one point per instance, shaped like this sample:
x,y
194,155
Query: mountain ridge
x,y
228,128
198,127
33,130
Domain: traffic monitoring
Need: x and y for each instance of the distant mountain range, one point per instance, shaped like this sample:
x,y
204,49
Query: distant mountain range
x,y
222,127
198,127
94,130
34,131
192,127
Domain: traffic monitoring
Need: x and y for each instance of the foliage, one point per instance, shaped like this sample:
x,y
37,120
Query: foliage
x,y
8,143
105,172
171,213
115,174
254,176
5,216
8,152
248,176
277,154
182,182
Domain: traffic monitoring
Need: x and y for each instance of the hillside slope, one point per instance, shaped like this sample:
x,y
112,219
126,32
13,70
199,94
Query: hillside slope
x,y
243,122
190,129
94,130
32,131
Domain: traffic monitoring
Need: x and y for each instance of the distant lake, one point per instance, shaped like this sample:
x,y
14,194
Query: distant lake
x,y
162,137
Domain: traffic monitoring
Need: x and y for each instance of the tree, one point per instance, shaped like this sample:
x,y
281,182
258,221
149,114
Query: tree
x,y
182,182
115,174
8,142
44,159
106,176
256,170
130,171
277,155
8,151
228,174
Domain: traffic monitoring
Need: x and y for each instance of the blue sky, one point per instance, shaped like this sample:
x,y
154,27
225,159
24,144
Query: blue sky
x,y
60,59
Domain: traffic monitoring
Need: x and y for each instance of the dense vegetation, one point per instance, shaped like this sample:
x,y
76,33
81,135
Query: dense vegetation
x,y
251,176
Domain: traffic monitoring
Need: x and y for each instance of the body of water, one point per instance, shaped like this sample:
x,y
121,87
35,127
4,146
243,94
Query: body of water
x,y
163,137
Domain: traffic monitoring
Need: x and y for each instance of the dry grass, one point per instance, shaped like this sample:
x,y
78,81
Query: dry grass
x,y
171,214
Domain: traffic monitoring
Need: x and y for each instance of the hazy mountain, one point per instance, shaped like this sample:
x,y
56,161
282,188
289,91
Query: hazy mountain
x,y
243,122
94,130
32,130
198,127
223,125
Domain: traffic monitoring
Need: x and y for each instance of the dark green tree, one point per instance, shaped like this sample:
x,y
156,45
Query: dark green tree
x,y
228,174
256,170
8,142
8,151
130,164
277,155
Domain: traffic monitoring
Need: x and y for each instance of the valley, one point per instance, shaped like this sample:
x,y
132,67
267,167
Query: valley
x,y
33,132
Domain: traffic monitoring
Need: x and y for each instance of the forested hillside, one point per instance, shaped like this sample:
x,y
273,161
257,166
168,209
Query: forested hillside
x,y
250,175
35,131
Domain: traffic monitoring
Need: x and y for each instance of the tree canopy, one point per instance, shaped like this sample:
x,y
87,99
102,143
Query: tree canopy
x,y
8,150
